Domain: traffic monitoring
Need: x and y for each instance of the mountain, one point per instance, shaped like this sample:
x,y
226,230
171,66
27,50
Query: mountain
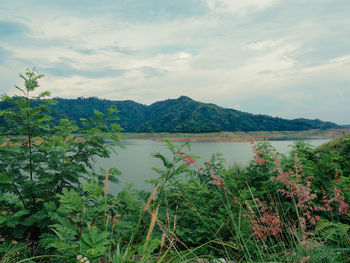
x,y
180,115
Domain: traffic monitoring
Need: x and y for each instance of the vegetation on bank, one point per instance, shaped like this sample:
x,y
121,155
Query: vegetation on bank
x,y
53,208
239,136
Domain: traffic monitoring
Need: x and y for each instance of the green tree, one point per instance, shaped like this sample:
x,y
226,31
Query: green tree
x,y
38,159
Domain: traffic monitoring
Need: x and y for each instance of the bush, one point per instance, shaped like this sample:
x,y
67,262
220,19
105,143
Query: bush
x,y
38,160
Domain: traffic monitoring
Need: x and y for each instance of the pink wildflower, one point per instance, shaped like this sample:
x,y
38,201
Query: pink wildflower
x,y
343,208
218,181
188,159
266,225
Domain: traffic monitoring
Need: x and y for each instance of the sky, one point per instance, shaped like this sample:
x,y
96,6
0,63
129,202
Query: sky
x,y
286,58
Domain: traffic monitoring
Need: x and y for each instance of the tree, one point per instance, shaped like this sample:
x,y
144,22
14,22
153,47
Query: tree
x,y
38,159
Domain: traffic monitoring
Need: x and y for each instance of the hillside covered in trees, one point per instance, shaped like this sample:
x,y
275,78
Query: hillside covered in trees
x,y
179,115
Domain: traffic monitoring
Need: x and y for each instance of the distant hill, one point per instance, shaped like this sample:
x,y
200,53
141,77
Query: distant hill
x,y
180,115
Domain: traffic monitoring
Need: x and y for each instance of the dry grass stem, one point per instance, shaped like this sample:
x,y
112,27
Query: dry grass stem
x,y
151,198
151,227
153,222
162,242
106,183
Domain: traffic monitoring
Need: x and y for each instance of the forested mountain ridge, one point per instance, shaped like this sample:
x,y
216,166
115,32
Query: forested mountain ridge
x,y
180,115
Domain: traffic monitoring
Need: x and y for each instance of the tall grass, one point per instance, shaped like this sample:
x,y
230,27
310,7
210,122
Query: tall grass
x,y
283,217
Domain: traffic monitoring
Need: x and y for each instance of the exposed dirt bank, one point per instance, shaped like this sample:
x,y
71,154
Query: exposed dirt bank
x,y
239,136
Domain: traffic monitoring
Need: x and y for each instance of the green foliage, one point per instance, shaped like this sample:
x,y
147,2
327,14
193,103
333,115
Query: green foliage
x,y
199,205
14,252
210,204
334,233
179,115
188,202
123,256
93,225
215,166
81,223
38,160
307,192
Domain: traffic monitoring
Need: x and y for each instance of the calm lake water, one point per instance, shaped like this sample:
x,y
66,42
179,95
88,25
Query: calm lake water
x,y
135,160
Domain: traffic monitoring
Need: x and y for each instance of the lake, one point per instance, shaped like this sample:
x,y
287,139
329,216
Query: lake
x,y
135,160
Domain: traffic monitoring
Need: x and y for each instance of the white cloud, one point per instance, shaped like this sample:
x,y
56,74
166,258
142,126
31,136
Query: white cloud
x,y
239,7
264,45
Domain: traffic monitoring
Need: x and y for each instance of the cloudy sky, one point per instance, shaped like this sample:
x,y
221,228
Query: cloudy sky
x,y
287,58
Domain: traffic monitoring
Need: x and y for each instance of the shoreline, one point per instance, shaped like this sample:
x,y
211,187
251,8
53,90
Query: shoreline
x,y
239,136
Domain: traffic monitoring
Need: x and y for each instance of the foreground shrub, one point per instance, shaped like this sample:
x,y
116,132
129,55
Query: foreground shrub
x,y
38,160
297,221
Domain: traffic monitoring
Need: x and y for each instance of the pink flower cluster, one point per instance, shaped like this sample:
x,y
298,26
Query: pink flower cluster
x,y
343,208
298,187
258,156
187,158
82,259
267,224
217,181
